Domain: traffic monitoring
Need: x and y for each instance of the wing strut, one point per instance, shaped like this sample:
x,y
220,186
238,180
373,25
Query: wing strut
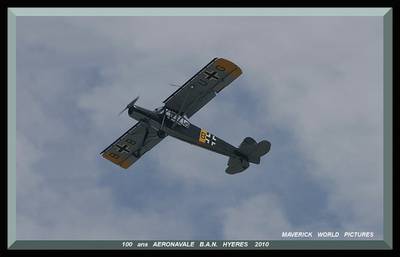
x,y
137,154
163,119
181,108
146,133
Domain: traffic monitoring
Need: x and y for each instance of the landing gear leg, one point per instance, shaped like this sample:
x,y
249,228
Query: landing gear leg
x,y
161,134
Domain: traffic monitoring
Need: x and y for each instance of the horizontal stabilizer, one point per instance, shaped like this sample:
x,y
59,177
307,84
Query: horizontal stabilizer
x,y
249,151
236,165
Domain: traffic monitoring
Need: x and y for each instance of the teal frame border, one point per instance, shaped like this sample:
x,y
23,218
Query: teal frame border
x,y
386,13
388,128
11,129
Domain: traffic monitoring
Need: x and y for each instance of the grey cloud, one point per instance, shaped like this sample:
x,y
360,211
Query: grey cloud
x,y
256,218
311,85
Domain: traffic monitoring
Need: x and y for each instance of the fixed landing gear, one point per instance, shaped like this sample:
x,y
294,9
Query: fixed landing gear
x,y
161,134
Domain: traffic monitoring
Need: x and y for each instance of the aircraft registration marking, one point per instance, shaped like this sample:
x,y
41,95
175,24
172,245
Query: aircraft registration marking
x,y
203,136
207,138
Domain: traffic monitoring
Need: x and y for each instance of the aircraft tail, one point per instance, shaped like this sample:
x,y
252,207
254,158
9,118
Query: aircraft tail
x,y
249,152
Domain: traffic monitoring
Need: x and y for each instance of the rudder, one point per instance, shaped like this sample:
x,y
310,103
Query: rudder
x,y
253,150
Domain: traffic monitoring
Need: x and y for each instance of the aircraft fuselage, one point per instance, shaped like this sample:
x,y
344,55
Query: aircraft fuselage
x,y
168,122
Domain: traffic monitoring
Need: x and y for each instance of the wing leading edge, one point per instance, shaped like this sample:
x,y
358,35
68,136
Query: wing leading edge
x,y
203,86
128,148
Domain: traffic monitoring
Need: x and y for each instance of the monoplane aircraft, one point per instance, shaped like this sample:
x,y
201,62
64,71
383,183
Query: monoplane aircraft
x,y
172,120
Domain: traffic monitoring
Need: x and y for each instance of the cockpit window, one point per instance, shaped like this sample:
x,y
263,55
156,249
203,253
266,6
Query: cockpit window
x,y
180,120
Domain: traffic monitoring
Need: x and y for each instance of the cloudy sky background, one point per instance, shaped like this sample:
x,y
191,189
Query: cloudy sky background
x,y
312,86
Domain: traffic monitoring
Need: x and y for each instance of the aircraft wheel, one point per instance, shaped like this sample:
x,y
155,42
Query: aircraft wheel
x,y
161,134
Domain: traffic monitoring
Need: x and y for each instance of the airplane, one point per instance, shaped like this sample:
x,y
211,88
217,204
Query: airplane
x,y
172,120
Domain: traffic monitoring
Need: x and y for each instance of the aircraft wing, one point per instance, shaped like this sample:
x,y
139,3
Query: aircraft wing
x,y
132,145
203,87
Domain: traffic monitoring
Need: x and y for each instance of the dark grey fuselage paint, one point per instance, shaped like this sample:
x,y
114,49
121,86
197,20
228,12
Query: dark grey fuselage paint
x,y
183,130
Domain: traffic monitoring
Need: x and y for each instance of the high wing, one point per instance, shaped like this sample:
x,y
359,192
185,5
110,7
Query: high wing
x,y
132,145
203,87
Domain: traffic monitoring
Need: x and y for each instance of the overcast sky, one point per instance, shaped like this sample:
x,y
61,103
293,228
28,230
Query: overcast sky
x,y
312,86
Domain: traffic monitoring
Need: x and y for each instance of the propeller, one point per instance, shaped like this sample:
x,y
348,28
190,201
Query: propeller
x,y
129,105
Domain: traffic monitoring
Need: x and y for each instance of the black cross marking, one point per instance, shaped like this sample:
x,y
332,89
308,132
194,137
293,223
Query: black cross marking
x,y
213,139
122,148
211,75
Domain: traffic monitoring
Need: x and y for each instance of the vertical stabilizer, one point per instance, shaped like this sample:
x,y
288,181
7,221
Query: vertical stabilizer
x,y
249,151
